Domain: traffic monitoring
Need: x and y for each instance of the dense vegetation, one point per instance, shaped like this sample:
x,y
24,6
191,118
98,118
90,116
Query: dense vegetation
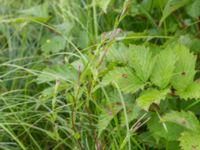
x,y
99,74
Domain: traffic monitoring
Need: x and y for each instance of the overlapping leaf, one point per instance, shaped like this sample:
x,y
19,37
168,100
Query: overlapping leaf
x,y
164,67
118,52
190,140
192,91
184,68
151,96
142,60
185,119
125,78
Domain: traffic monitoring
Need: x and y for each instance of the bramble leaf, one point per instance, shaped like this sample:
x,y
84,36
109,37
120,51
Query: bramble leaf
x,y
164,67
125,78
185,119
190,140
151,96
142,60
184,68
118,52
192,91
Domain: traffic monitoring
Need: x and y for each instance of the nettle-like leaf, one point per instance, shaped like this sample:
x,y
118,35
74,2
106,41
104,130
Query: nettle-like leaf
x,y
192,91
168,131
164,67
151,96
58,72
125,78
184,68
118,53
171,6
185,119
142,60
190,140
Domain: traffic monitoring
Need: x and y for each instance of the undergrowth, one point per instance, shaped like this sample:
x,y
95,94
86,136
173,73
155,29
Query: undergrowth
x,y
99,74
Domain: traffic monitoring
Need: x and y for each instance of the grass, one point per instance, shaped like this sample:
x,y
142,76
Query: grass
x,y
67,107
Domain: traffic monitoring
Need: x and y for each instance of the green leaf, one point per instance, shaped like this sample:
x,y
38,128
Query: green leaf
x,y
171,6
37,11
151,96
53,44
185,119
103,4
118,53
127,81
58,72
192,91
106,117
168,131
190,140
193,9
184,68
164,67
142,60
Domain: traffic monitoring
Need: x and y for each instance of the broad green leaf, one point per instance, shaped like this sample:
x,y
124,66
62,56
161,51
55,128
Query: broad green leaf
x,y
168,131
185,119
190,140
118,53
192,91
171,6
103,4
151,96
58,72
194,9
64,27
53,44
125,78
106,117
142,60
184,68
37,11
164,67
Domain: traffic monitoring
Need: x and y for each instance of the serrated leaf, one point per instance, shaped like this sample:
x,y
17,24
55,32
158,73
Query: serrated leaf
x,y
192,91
185,119
190,140
168,131
164,67
193,9
151,96
125,78
118,53
184,68
142,60
171,6
58,72
53,44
